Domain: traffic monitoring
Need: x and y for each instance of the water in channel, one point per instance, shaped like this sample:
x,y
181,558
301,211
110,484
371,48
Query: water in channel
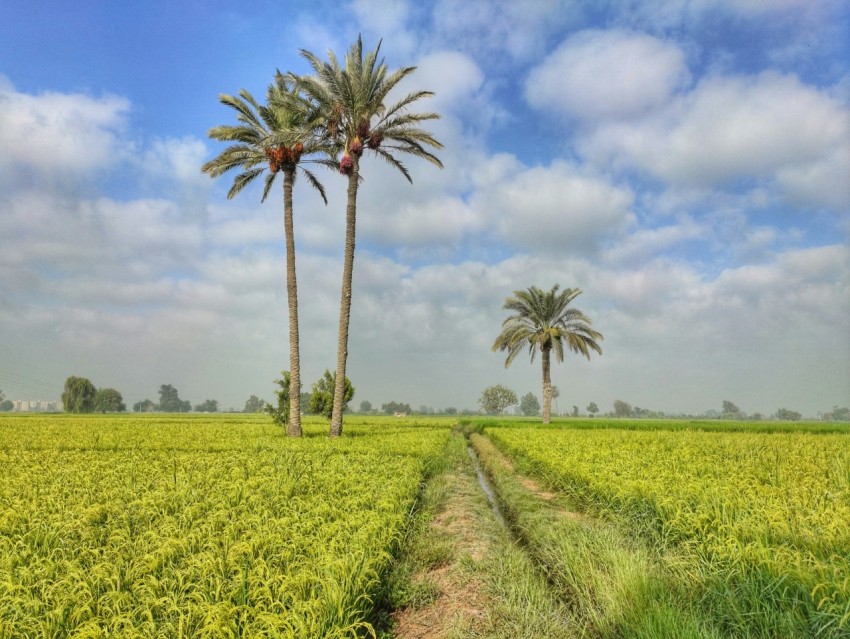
x,y
485,486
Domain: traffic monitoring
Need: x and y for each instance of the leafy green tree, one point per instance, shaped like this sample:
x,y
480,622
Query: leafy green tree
x,y
6,405
273,138
108,400
365,406
355,118
495,399
575,411
253,405
391,408
208,406
529,404
841,414
78,396
622,409
281,414
145,406
788,415
322,398
592,408
543,320
170,402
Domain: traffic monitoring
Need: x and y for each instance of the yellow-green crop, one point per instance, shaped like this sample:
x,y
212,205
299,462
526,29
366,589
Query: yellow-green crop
x,y
763,519
201,527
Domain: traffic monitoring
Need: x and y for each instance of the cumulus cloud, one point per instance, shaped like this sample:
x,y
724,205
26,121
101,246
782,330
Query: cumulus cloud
x,y
56,132
557,208
728,129
490,30
607,74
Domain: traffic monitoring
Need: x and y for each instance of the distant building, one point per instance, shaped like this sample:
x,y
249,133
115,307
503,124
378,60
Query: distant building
x,y
36,406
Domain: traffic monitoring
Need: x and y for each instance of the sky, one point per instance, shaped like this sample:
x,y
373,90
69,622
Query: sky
x,y
685,163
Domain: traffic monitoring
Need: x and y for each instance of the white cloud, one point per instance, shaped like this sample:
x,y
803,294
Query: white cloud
x,y
607,74
56,132
727,129
492,29
557,208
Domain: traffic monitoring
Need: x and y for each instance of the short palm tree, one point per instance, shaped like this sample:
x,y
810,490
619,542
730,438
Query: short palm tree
x,y
356,120
542,320
272,139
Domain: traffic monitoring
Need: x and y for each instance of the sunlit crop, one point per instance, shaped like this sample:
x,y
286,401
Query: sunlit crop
x,y
763,520
215,527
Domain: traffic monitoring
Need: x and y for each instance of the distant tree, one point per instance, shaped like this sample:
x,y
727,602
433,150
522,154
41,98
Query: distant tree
x,y
2,396
78,396
146,406
208,406
729,408
305,403
841,414
542,320
280,412
322,399
170,402
575,410
108,400
788,415
622,409
529,404
450,411
391,408
365,406
592,408
254,405
6,405
495,399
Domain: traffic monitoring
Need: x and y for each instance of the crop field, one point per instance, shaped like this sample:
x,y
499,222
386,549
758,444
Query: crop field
x,y
200,526
756,524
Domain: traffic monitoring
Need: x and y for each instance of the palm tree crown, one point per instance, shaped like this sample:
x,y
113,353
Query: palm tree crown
x,y
353,115
544,321
274,136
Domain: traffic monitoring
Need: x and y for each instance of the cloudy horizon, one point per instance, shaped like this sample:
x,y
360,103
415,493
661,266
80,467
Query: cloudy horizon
x,y
686,165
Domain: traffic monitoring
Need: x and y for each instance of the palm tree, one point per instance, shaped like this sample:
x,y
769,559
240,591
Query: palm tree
x,y
542,320
272,137
355,120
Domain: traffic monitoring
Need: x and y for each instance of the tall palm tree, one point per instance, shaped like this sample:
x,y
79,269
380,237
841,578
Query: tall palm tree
x,y
356,120
273,138
542,320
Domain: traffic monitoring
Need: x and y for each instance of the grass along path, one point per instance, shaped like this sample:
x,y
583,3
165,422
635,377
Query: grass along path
x,y
462,576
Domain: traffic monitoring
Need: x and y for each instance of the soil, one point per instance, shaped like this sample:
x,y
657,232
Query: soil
x,y
461,602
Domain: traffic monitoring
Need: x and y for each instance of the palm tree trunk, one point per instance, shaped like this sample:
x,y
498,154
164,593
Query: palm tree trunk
x,y
547,387
293,428
345,298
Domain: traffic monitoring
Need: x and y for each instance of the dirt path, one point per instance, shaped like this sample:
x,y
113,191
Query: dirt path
x,y
484,586
461,604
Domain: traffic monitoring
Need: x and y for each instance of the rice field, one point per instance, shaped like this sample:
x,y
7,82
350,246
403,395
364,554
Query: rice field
x,y
199,526
757,524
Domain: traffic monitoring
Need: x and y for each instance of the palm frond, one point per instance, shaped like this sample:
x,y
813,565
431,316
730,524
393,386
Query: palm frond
x,y
242,180
314,181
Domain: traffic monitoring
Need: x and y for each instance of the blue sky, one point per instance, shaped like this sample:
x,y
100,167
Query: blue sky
x,y
685,163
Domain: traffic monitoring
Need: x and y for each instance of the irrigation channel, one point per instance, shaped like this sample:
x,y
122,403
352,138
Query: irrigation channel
x,y
487,488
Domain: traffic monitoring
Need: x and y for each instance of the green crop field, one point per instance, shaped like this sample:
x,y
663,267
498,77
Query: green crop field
x,y
757,524
199,526
221,526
